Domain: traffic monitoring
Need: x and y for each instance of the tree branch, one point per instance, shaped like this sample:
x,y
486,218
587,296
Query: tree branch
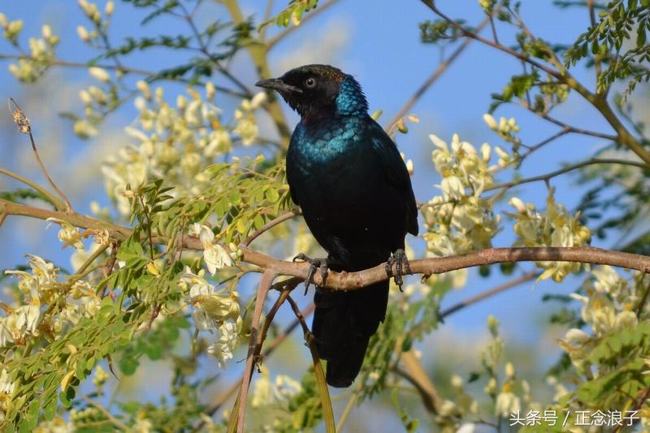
x,y
623,136
357,280
122,69
255,340
548,176
275,39
488,293
437,73
258,53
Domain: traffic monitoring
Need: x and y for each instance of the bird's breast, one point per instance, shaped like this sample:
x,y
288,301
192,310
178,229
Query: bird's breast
x,y
330,164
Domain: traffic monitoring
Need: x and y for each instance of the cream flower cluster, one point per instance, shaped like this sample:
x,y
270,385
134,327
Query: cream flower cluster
x,y
246,126
41,50
608,305
214,311
460,220
269,392
507,129
38,288
176,142
555,227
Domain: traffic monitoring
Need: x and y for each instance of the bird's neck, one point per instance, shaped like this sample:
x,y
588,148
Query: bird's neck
x,y
350,99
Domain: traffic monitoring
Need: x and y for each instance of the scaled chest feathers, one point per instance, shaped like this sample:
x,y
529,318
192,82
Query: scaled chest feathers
x,y
326,145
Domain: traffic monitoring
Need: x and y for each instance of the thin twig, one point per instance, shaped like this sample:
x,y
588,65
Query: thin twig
x,y
592,21
264,286
203,48
268,226
24,126
54,201
109,416
528,276
415,373
274,40
326,402
548,176
347,410
578,130
536,147
431,79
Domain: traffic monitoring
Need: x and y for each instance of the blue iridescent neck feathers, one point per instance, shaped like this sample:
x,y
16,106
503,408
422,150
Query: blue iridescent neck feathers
x,y
351,99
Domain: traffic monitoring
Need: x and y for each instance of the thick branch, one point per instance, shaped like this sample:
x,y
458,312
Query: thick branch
x,y
438,265
258,52
356,280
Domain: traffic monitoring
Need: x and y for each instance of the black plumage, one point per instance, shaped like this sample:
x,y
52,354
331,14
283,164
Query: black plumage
x,y
355,193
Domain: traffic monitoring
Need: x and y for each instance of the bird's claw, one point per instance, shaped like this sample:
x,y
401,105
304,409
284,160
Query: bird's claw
x,y
402,267
320,264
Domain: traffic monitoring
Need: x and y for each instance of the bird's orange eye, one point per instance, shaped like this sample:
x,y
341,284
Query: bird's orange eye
x,y
310,82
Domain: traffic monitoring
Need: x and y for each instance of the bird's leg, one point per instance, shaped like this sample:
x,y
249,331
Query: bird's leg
x,y
320,264
402,267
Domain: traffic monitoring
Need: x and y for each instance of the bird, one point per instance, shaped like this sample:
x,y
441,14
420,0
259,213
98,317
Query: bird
x,y
355,193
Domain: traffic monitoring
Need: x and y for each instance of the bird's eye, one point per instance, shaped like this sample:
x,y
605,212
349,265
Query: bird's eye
x,y
310,82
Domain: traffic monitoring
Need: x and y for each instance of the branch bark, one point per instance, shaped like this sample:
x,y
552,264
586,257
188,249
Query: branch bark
x,y
357,280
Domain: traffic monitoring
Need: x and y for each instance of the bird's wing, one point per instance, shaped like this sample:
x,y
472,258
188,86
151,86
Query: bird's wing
x,y
395,170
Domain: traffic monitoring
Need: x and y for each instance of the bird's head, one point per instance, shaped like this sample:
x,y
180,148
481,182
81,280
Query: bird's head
x,y
319,90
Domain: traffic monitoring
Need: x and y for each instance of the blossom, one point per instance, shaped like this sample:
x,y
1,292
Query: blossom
x,y
507,402
223,347
555,227
505,128
215,256
215,312
460,220
99,73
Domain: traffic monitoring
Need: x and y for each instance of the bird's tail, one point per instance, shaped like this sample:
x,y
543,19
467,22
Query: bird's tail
x,y
343,324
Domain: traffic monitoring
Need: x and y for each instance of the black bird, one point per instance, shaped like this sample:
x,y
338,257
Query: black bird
x,y
355,193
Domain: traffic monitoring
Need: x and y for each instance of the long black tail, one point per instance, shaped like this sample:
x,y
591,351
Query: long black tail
x,y
343,324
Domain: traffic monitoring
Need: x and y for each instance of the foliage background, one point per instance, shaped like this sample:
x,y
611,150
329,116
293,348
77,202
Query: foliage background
x,y
389,64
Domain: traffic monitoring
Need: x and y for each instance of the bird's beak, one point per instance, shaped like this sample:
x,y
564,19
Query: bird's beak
x,y
279,85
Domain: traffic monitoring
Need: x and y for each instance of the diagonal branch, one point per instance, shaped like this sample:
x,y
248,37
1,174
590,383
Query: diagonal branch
x,y
623,136
546,177
275,39
431,79
255,340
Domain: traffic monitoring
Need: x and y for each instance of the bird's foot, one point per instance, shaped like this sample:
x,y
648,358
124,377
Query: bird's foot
x,y
402,267
314,264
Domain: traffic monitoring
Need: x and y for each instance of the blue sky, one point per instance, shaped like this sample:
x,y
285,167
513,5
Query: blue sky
x,y
380,46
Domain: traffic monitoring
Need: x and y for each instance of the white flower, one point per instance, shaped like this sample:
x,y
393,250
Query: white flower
x,y
83,33
467,428
517,204
452,188
99,74
576,337
7,387
489,121
225,344
507,403
258,100
285,388
215,255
